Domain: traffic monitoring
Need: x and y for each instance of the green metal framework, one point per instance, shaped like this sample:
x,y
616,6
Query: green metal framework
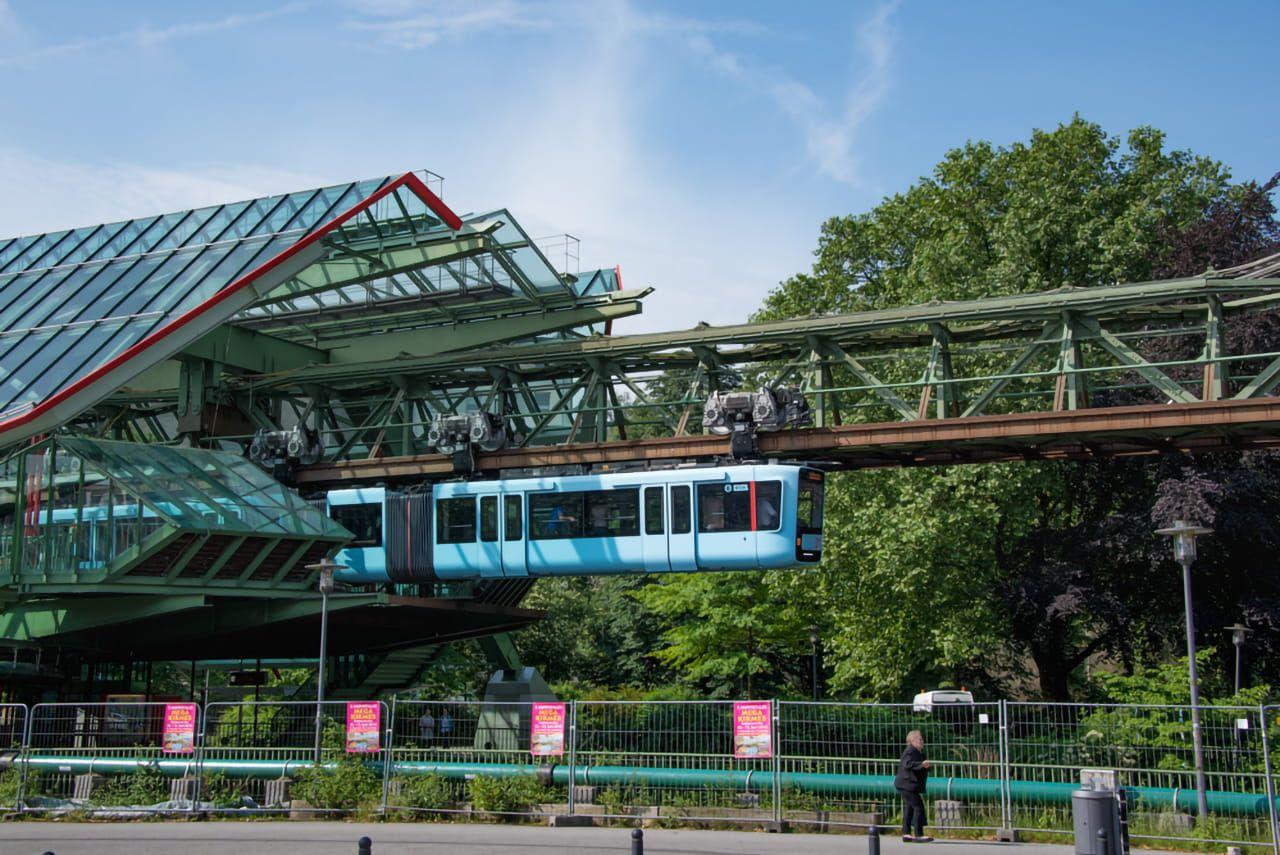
x,y
1047,352
364,311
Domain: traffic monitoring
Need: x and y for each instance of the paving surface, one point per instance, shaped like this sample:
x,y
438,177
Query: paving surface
x,y
323,838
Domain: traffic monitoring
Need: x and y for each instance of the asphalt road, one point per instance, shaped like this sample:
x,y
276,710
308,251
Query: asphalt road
x,y
339,838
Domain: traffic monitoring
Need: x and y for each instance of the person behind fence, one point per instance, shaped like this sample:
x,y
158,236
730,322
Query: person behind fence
x,y
913,775
446,728
427,727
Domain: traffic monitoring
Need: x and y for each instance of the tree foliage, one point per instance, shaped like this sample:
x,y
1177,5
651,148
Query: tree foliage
x,y
1006,577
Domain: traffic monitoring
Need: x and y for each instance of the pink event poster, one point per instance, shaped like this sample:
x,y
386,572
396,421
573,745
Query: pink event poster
x,y
752,729
546,730
179,728
364,726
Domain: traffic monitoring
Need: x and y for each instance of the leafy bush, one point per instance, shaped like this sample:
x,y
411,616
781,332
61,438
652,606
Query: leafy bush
x,y
10,781
349,785
425,792
222,790
517,794
143,787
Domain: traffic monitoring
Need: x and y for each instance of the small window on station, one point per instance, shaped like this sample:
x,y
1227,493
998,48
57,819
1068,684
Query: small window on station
x,y
513,525
653,511
488,518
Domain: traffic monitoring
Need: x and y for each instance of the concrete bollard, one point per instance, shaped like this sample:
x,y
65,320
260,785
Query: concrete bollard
x,y
637,842
873,840
364,846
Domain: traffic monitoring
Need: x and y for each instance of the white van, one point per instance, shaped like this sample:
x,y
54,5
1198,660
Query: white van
x,y
928,702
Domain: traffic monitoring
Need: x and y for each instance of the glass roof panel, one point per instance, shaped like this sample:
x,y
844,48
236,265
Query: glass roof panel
x,y
204,489
14,248
34,250
100,289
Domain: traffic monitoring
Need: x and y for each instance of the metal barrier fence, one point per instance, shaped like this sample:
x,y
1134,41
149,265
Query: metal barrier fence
x,y
104,755
330,758
1271,765
838,761
474,757
1150,749
674,760
995,766
13,736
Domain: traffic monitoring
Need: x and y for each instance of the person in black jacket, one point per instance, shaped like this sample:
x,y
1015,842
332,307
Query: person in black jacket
x,y
910,782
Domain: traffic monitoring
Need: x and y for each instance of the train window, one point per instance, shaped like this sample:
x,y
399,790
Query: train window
x,y
768,504
513,528
809,505
364,521
724,507
553,516
681,518
653,511
456,520
598,513
612,513
488,518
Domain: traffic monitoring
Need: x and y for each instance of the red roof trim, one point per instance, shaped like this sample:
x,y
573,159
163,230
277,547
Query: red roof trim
x,y
408,180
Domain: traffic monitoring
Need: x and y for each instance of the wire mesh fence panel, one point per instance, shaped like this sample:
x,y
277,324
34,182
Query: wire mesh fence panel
x,y
838,763
1271,763
13,735
273,756
110,755
480,757
678,760
1151,751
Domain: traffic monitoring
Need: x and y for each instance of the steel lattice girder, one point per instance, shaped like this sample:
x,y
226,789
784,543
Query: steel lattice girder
x,y
938,360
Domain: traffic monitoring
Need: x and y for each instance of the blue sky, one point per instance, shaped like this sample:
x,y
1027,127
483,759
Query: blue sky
x,y
697,145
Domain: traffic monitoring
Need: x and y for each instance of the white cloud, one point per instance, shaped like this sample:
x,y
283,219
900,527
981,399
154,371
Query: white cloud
x,y
145,36
410,24
49,195
830,132
418,23
573,152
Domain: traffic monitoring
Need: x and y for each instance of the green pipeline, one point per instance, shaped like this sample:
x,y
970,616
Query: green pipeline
x,y
863,786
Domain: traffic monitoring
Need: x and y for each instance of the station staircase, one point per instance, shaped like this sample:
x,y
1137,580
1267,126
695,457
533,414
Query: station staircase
x,y
363,676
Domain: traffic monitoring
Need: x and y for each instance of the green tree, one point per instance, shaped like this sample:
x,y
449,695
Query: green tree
x,y
997,574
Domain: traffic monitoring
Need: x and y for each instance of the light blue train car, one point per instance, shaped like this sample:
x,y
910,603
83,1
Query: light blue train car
x,y
744,517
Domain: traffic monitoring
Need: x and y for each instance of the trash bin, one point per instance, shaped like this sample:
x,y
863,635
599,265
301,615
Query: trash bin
x,y
1092,810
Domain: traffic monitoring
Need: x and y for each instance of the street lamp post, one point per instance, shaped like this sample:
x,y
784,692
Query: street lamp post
x,y
1238,632
326,568
1184,536
813,661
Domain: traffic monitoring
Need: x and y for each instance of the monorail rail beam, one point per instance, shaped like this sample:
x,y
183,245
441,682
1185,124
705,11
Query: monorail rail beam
x,y
1150,429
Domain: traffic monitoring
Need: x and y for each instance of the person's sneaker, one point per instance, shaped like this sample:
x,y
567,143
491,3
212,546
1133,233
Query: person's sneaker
x,y
923,839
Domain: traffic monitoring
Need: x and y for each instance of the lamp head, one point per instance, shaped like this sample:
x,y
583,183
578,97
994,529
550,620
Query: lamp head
x,y
326,568
1184,536
1238,632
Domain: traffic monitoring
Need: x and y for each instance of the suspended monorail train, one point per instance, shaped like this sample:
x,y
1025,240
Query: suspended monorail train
x,y
743,517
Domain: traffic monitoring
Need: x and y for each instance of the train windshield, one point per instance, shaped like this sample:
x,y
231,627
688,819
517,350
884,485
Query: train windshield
x,y
809,508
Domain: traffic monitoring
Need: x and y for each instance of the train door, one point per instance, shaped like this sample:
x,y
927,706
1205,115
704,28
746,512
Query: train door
x,y
489,556
513,548
680,539
653,534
